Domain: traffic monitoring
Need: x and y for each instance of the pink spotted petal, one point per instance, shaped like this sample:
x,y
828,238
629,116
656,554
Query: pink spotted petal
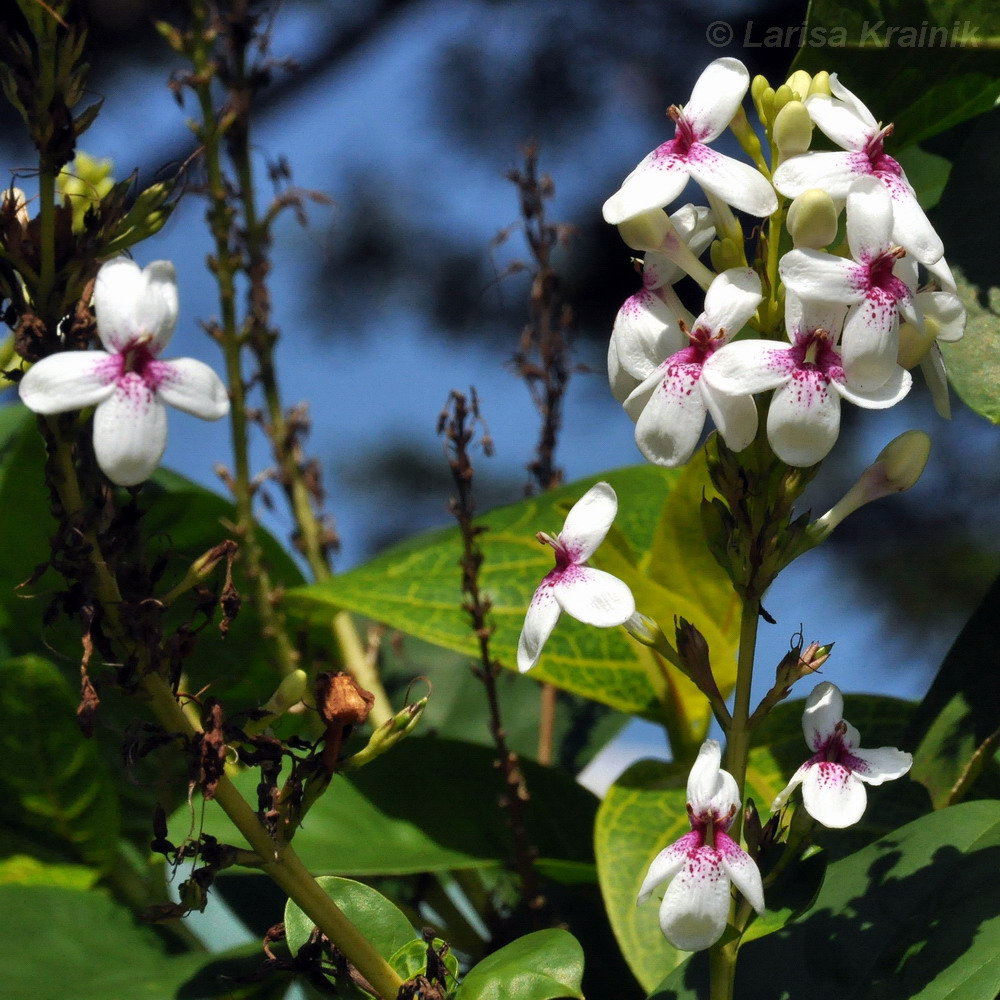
x,y
668,863
882,764
741,869
870,342
131,303
716,98
911,228
736,183
745,367
594,597
670,424
832,795
130,432
824,709
68,381
695,907
803,420
588,521
812,274
645,332
655,182
542,615
192,387
833,172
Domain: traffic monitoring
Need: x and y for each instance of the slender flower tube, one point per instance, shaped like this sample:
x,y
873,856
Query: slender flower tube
x,y
128,382
586,594
663,174
833,779
703,865
847,122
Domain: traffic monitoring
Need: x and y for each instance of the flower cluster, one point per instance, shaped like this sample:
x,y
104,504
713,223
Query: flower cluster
x,y
128,382
855,315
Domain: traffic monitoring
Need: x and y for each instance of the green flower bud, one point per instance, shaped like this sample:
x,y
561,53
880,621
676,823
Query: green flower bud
x,y
386,736
812,219
820,84
646,231
782,96
792,130
83,184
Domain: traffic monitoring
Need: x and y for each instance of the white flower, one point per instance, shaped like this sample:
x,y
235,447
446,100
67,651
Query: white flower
x,y
803,419
647,326
703,864
868,284
127,381
589,595
833,779
848,123
663,174
669,406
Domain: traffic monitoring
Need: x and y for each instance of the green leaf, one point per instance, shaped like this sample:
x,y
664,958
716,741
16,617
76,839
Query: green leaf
x,y
642,813
415,587
545,965
927,172
974,361
411,960
416,811
58,940
924,84
912,916
23,869
960,712
375,917
60,802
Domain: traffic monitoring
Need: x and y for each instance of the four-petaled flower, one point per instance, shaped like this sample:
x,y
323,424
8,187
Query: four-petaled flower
x,y
670,405
128,382
833,779
848,123
867,284
704,863
587,594
803,419
663,174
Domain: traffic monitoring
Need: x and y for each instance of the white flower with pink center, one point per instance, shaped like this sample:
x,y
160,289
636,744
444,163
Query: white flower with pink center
x,y
833,780
663,174
128,382
669,406
808,379
848,123
702,866
868,284
587,594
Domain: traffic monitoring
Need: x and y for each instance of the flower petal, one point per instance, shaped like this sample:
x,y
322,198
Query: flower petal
x,y
131,303
832,172
824,709
803,420
736,183
695,907
745,367
711,792
645,332
594,597
842,118
786,793
832,795
891,392
882,764
730,301
911,229
741,869
192,387
656,181
812,274
936,377
869,219
668,863
539,621
130,432
68,381
668,428
870,342
716,98
588,522
734,416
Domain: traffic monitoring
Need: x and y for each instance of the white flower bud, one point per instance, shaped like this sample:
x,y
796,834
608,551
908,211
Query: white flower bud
x,y
646,231
799,83
793,129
